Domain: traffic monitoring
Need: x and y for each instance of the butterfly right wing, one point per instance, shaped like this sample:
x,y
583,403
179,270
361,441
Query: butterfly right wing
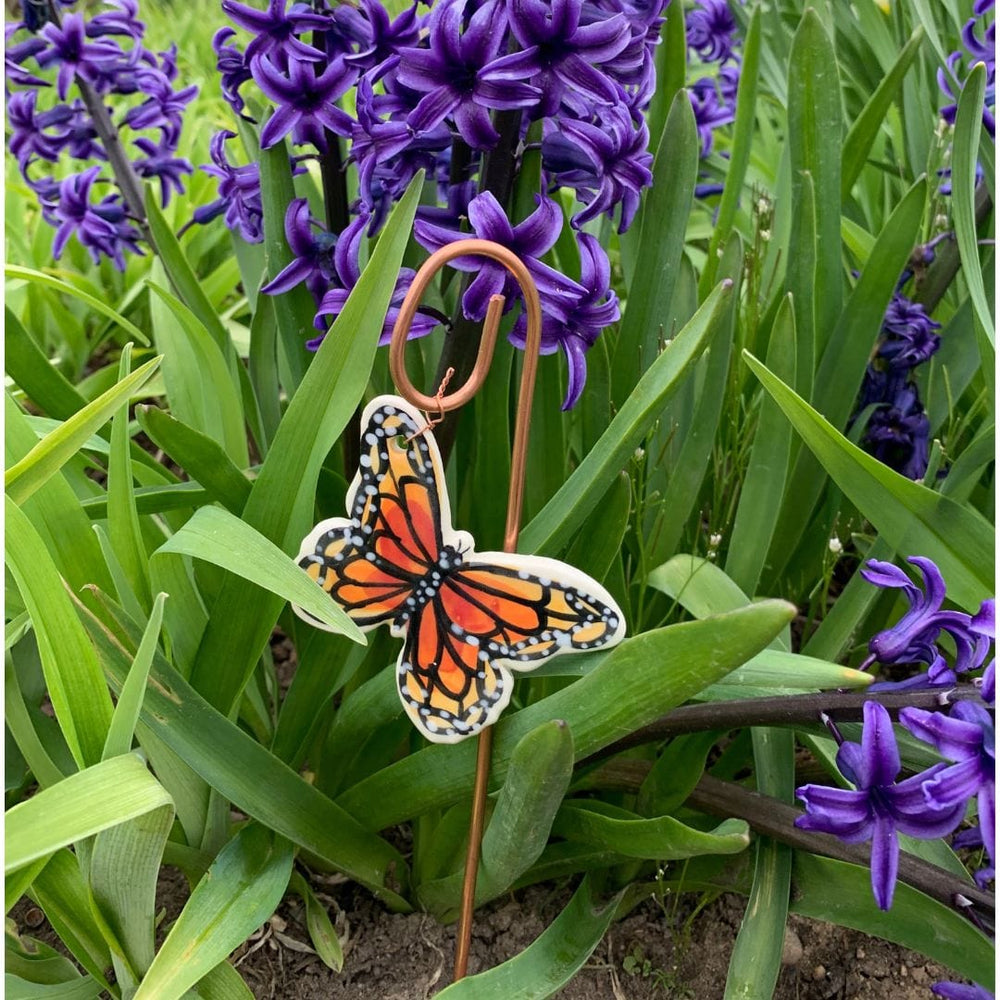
x,y
371,562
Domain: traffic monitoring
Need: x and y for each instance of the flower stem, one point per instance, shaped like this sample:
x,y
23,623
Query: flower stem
x,y
782,710
775,819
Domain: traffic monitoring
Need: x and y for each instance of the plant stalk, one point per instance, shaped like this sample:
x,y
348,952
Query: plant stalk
x,y
781,710
769,816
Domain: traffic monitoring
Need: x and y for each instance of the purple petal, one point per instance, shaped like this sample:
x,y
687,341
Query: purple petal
x,y
885,861
489,282
540,230
878,742
278,126
489,220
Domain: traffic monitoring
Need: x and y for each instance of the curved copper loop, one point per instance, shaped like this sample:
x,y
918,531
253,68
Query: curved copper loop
x,y
533,341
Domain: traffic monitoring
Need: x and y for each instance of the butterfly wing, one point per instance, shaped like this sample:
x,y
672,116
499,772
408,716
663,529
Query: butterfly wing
x,y
495,613
370,562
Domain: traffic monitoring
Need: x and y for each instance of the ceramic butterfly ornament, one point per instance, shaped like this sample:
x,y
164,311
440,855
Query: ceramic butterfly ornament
x,y
467,619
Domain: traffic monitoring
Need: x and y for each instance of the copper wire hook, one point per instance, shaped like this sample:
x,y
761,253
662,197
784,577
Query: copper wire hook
x,y
533,342
519,454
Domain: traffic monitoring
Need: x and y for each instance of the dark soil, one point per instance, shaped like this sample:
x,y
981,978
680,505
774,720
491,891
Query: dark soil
x,y
650,954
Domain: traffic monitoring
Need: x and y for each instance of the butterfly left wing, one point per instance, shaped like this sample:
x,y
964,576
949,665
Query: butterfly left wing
x,y
371,562
495,613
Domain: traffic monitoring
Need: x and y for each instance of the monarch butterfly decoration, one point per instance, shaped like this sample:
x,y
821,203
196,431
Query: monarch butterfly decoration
x,y
467,619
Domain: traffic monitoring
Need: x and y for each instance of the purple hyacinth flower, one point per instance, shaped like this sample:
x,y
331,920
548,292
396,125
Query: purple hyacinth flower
x,y
529,240
239,193
711,30
605,162
710,111
578,320
450,73
75,130
306,101
347,272
68,46
15,53
162,109
384,38
314,263
374,141
232,66
122,20
102,229
909,640
160,162
910,339
878,808
28,137
275,29
560,56
898,434
966,737
960,991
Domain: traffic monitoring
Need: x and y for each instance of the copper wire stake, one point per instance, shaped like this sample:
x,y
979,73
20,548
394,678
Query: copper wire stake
x,y
442,403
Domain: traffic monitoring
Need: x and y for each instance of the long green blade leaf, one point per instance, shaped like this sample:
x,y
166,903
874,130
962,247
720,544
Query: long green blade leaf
x,y
912,518
57,448
221,538
238,893
83,804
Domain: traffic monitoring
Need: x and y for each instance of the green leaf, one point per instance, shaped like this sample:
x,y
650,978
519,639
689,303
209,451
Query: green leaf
x,y
866,126
639,680
40,278
61,891
78,988
221,538
321,930
57,448
843,363
201,457
912,518
238,893
123,521
81,805
122,727
539,774
660,839
55,511
647,317
293,310
124,867
814,140
280,506
39,378
245,773
756,958
965,144
548,963
767,469
841,893
739,159
203,388
553,527
182,277
73,675
694,458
